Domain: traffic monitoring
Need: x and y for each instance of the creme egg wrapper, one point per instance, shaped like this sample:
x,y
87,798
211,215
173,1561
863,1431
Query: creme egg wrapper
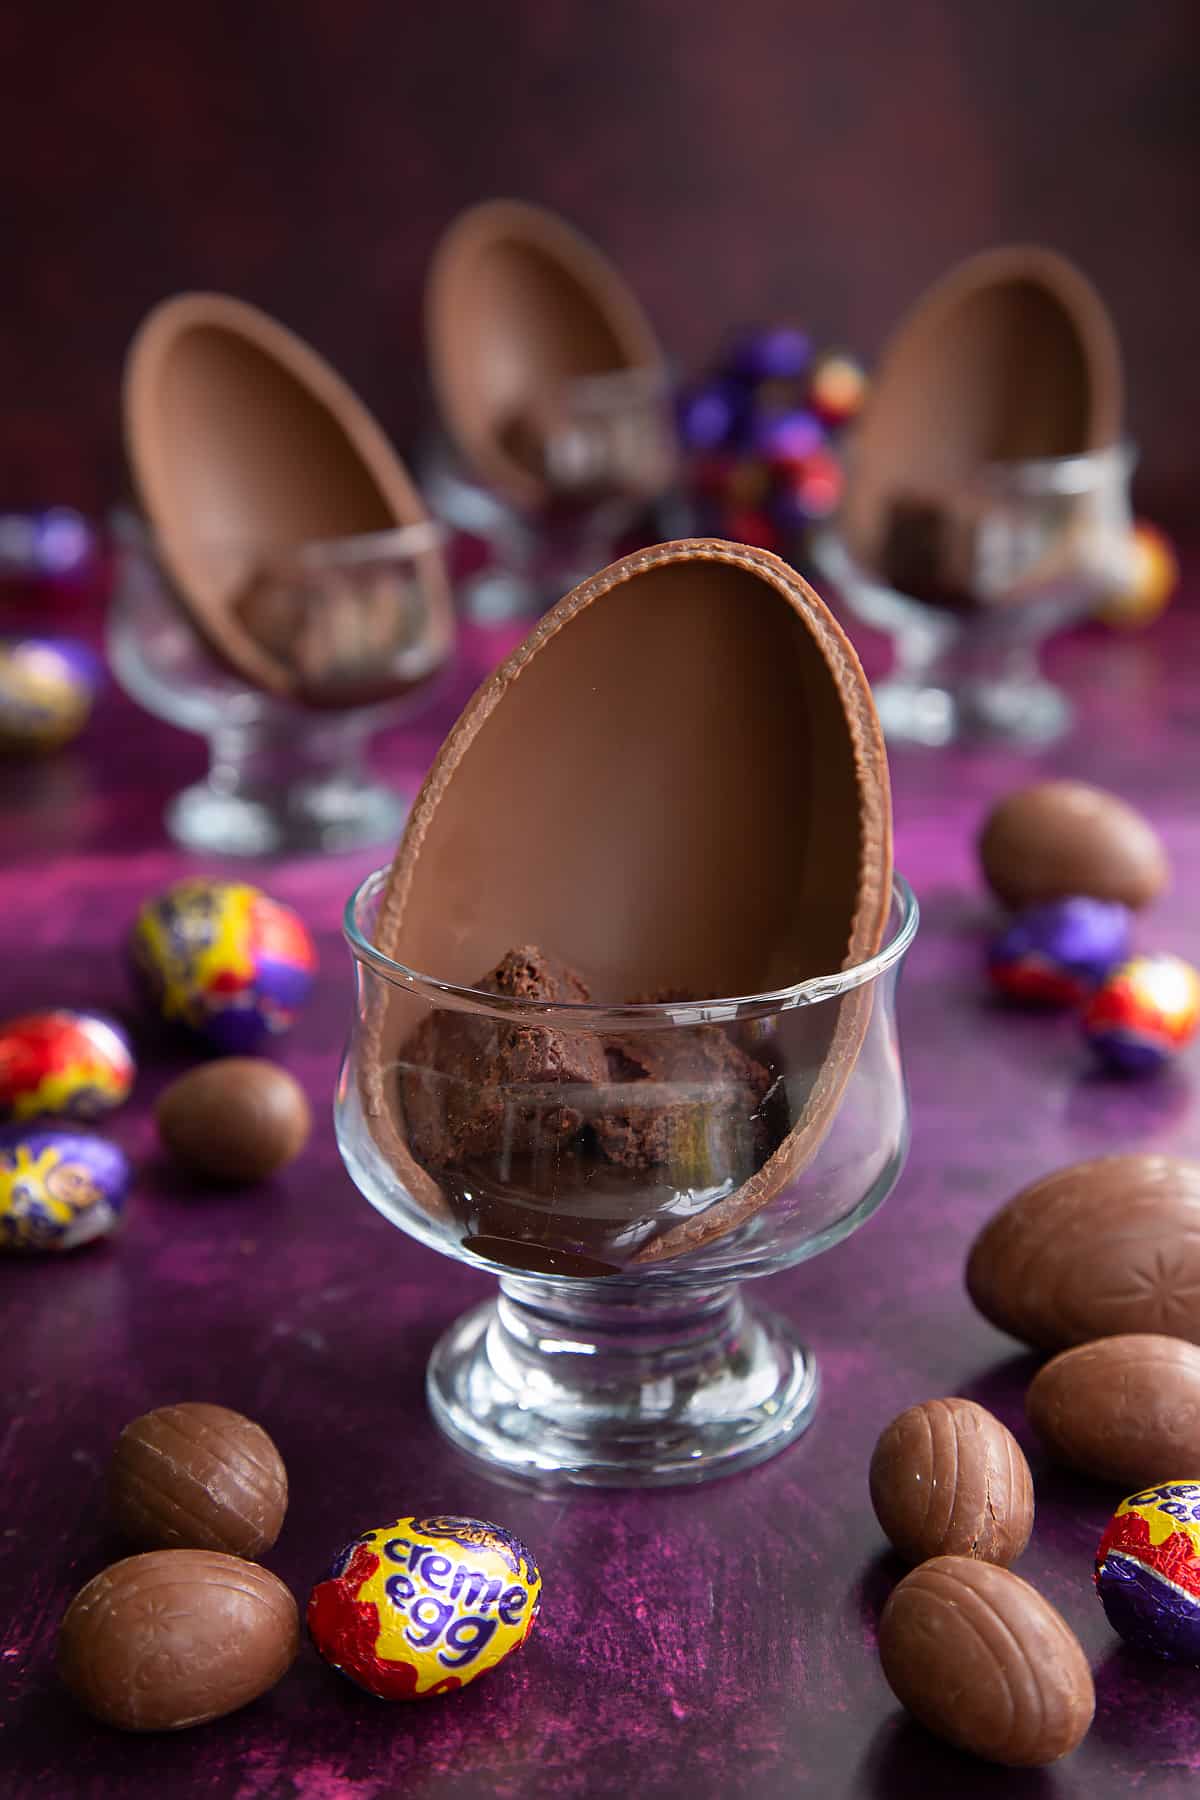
x,y
47,688
58,1188
63,1063
1059,953
424,1605
1145,1013
224,960
1148,1571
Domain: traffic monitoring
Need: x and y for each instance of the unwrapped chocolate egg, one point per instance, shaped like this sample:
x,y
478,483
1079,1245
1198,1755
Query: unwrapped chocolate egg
x,y
1098,1249
1148,1571
1056,839
175,1638
224,960
197,1477
1124,1409
980,1658
237,1119
58,1188
47,687
948,1479
64,1063
1056,955
424,1605
1144,1014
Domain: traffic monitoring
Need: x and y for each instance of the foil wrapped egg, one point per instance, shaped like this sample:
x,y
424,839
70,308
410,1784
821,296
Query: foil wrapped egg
x,y
65,1063
58,1189
837,388
1145,1012
47,687
224,960
1151,579
1058,954
1148,1571
424,1605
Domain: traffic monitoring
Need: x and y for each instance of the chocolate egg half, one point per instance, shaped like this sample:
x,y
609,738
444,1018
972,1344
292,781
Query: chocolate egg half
x,y
245,446
518,306
677,784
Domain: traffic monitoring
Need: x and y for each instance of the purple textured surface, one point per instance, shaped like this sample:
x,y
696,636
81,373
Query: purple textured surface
x,y
710,1643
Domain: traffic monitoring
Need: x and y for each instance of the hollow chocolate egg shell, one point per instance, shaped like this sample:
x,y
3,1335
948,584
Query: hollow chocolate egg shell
x,y
518,306
678,784
424,1605
224,960
63,1063
245,446
1148,1571
58,1188
1010,356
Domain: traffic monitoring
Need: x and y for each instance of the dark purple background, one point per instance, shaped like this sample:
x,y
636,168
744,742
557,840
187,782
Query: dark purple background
x,y
713,1643
740,160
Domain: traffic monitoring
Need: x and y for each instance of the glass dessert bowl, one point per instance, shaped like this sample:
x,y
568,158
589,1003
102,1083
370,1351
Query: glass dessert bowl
x,y
621,1169
365,634
971,581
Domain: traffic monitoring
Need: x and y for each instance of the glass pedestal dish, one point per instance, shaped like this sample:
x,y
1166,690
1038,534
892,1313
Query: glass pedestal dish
x,y
995,567
607,457
623,1169
283,776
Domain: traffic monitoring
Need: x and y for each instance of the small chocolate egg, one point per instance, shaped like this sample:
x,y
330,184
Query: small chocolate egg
x,y
47,687
197,1477
1148,1571
175,1638
58,1189
65,1063
768,353
948,1479
980,1658
1144,1014
1056,839
224,960
237,1119
1056,955
424,1605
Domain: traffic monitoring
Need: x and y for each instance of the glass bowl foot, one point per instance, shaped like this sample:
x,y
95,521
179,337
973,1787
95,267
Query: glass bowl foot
x,y
609,1385
337,813
912,711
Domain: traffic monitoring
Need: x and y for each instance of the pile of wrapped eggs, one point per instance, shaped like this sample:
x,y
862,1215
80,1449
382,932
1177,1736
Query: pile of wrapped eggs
x,y
759,431
1074,864
229,965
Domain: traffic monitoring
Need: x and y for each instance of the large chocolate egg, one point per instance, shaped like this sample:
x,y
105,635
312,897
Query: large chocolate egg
x,y
72,1064
1011,356
224,960
58,1188
518,307
246,446
424,1605
677,784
